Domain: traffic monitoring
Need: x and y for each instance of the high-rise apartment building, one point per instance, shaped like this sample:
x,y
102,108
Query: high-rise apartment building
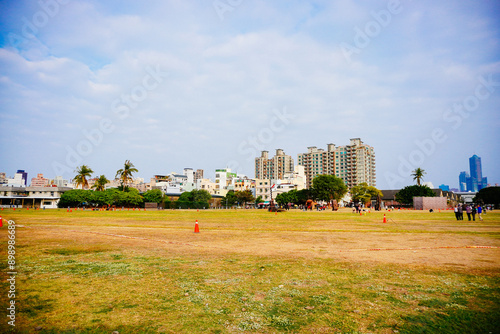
x,y
274,168
353,163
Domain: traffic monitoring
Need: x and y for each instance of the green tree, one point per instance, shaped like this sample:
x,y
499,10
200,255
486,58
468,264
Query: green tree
x,y
186,196
258,200
153,196
418,174
328,188
201,195
244,196
100,183
101,198
304,195
364,193
229,200
74,198
125,173
82,173
128,198
405,195
289,197
489,195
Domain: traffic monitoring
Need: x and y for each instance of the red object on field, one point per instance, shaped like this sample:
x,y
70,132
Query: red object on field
x,y
385,220
1,221
196,227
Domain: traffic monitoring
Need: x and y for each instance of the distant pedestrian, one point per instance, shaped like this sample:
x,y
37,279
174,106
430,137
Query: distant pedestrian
x,y
473,212
468,209
479,212
457,214
460,213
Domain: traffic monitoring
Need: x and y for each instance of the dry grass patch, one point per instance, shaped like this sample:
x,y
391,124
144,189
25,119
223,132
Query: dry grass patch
x,y
251,271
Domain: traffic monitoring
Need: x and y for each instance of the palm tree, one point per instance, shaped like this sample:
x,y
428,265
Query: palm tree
x,y
125,173
100,183
83,172
418,174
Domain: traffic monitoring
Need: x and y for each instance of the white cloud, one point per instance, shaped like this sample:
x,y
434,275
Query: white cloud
x,y
226,77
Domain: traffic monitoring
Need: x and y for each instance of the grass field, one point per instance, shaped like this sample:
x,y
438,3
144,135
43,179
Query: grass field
x,y
252,271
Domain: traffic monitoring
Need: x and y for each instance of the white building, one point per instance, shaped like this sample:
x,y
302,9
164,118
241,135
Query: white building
x,y
33,197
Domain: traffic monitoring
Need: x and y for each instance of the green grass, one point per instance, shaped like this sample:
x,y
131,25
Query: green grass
x,y
72,280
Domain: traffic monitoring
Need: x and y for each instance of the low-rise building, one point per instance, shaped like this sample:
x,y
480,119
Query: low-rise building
x,y
31,197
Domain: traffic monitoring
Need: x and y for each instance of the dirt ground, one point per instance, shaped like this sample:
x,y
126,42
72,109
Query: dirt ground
x,y
434,249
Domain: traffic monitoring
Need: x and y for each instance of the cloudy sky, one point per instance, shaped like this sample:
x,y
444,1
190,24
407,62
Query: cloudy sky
x,y
209,84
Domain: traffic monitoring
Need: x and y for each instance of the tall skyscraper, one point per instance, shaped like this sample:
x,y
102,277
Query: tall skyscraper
x,y
353,163
475,181
274,168
475,167
462,180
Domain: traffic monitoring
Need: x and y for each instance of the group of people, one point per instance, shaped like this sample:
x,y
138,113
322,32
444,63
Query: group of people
x,y
471,211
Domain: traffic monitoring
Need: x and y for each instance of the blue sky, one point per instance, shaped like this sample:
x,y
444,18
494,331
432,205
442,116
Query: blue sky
x,y
208,84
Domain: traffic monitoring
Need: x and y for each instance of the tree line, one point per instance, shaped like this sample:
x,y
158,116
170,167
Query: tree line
x,y
130,197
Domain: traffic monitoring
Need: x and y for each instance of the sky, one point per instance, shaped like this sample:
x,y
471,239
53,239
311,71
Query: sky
x,y
210,84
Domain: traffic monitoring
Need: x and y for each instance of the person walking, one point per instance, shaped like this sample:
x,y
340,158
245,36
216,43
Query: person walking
x,y
473,212
468,209
479,212
460,213
457,214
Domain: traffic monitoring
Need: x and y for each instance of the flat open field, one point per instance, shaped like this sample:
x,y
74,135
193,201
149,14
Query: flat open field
x,y
252,271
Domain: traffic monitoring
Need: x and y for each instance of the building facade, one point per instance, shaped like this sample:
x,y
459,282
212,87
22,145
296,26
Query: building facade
x,y
39,181
31,197
273,168
353,163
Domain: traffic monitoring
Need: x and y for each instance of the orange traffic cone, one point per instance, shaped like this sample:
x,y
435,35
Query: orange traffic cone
x,y
196,227
385,220
1,221
360,213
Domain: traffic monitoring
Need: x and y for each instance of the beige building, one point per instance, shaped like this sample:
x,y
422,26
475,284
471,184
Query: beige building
x,y
206,184
262,188
353,163
273,168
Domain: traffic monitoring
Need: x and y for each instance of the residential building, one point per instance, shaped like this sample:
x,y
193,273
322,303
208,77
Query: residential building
x,y
263,189
243,183
189,173
206,184
19,180
39,181
353,163
58,181
223,181
3,178
198,175
273,168
297,177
